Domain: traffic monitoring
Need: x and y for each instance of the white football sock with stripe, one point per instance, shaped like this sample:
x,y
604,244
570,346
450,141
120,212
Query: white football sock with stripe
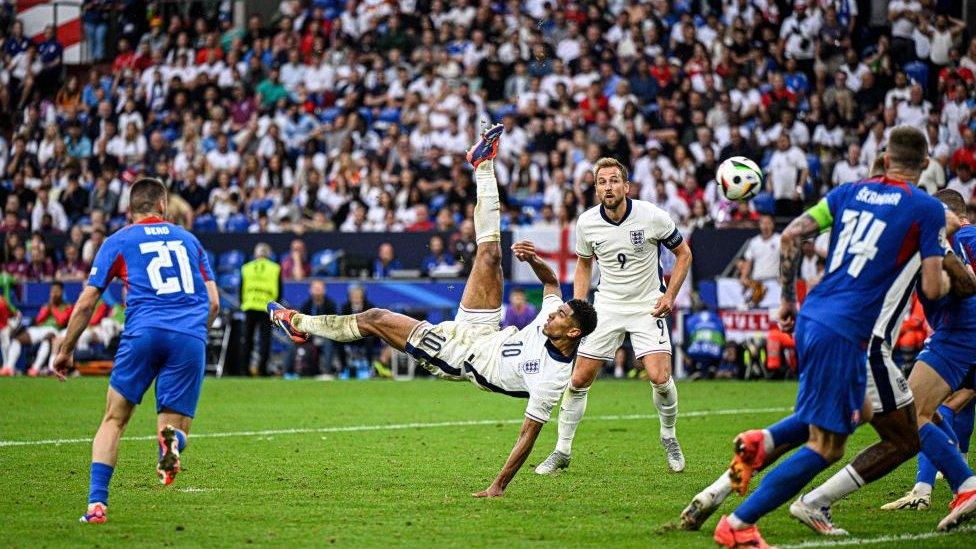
x,y
844,482
487,217
340,328
570,413
666,401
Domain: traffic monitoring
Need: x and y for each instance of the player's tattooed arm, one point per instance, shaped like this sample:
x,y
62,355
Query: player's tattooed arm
x,y
961,278
799,229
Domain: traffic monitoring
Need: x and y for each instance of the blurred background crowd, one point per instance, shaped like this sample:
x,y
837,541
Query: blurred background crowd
x,y
354,116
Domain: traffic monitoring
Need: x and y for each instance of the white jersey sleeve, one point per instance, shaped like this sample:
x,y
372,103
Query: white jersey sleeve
x,y
583,246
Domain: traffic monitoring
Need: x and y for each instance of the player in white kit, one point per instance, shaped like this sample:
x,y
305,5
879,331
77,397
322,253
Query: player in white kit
x,y
625,236
535,362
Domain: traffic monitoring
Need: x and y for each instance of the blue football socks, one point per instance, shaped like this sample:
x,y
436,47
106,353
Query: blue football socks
x,y
963,425
781,484
101,476
789,431
941,450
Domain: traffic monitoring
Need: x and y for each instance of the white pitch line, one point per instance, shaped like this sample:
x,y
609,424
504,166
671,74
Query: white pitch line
x,y
879,539
392,427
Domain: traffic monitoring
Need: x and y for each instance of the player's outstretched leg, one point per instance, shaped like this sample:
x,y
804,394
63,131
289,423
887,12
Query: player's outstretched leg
x,y
771,443
483,291
105,454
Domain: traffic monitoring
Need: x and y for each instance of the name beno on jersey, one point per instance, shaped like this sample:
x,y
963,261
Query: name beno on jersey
x,y
156,231
627,252
878,199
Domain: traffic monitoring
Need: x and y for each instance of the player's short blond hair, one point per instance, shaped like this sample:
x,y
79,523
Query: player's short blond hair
x,y
607,162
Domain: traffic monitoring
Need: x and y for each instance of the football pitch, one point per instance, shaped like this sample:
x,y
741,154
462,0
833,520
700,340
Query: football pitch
x,y
304,463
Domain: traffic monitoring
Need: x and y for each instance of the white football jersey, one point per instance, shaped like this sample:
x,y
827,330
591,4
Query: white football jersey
x,y
524,364
628,252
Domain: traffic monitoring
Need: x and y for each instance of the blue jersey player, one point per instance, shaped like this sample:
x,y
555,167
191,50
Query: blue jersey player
x,y
877,227
947,364
171,301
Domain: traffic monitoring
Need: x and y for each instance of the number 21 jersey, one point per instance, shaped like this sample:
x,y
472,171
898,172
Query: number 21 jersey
x,y
880,229
164,269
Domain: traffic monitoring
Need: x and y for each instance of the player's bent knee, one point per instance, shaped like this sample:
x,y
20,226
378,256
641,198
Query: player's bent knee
x,y
490,253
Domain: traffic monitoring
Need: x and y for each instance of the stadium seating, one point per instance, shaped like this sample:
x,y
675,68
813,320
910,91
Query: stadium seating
x,y
231,261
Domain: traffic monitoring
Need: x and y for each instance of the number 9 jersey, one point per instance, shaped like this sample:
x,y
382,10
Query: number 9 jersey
x,y
164,269
881,229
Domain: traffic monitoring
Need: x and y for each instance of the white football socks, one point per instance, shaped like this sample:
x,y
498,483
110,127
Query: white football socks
x,y
721,488
43,352
13,353
839,486
487,217
666,400
340,328
570,413
922,489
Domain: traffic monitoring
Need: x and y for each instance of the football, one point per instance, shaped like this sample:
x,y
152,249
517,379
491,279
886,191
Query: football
x,y
739,178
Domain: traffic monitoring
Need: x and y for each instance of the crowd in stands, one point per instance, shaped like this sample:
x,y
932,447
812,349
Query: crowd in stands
x,y
355,116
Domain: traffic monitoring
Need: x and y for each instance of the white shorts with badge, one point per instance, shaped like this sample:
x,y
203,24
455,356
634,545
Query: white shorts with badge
x,y
648,334
455,349
887,388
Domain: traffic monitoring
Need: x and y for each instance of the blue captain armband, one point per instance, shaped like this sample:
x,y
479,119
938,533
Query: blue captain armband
x,y
673,240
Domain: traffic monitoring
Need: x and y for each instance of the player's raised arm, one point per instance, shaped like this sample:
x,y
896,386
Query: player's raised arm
x,y
523,446
525,251
80,317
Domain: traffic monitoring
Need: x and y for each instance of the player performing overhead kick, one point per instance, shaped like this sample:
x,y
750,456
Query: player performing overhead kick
x,y
535,362
171,301
625,236
877,227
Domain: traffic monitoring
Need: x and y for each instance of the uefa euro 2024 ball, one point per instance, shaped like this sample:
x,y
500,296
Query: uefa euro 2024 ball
x,y
739,178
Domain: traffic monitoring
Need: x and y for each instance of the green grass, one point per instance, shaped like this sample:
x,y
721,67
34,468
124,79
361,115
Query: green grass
x,y
404,487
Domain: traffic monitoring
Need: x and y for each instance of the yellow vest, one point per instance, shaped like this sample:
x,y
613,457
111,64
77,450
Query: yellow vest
x,y
259,284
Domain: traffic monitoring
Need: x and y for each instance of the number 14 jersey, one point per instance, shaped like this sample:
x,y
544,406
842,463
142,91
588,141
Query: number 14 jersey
x,y
164,269
880,230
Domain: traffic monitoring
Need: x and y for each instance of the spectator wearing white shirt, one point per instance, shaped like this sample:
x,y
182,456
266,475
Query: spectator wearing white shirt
x,y
854,69
849,169
903,15
292,72
964,183
901,92
786,173
798,35
223,158
915,111
44,205
761,259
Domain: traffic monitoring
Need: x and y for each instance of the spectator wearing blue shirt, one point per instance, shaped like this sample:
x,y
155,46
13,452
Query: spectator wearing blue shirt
x,y
96,25
51,53
77,143
706,342
436,256
15,43
386,261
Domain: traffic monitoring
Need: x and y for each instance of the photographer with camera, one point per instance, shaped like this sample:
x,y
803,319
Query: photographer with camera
x,y
798,35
